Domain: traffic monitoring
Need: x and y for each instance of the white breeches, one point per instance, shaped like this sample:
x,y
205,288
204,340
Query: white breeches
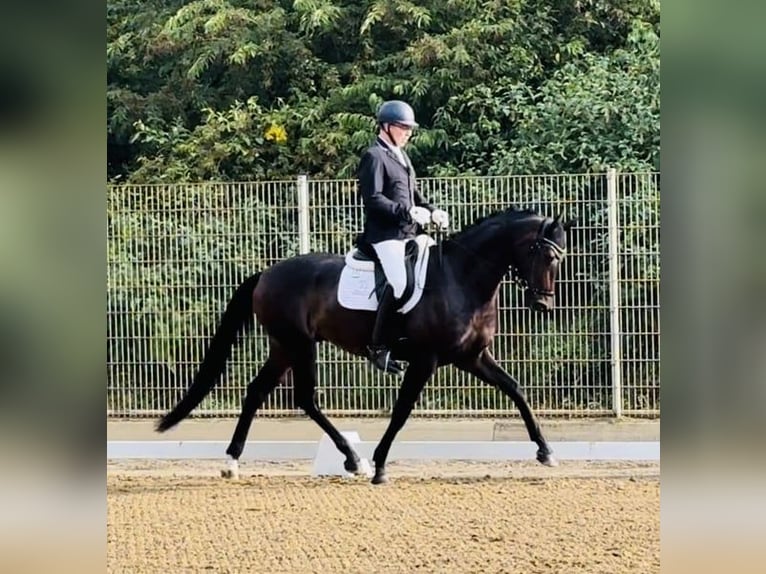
x,y
391,255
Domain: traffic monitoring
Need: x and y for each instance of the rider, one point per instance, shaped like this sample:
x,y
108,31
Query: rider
x,y
393,211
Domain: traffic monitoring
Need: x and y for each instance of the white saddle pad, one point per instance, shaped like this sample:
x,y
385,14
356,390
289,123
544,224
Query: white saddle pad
x,y
356,289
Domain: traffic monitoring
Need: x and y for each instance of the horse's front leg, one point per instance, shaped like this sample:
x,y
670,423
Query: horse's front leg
x,y
485,368
418,372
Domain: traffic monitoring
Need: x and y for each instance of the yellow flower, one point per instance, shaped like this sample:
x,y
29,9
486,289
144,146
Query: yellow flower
x,y
276,134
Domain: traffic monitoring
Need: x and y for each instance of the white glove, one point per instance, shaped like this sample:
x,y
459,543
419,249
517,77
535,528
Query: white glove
x,y
420,215
440,218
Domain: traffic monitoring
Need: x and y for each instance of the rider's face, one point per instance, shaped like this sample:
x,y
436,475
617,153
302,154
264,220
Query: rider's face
x,y
400,133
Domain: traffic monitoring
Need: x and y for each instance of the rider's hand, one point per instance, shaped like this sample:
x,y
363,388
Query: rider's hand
x,y
420,215
440,218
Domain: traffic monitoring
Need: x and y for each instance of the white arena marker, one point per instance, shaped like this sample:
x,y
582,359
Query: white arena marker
x,y
329,460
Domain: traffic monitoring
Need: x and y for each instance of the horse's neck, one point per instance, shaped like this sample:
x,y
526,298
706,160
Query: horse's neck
x,y
483,256
476,270
490,243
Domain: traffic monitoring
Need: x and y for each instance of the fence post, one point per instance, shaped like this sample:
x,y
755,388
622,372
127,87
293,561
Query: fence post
x,y
614,290
303,214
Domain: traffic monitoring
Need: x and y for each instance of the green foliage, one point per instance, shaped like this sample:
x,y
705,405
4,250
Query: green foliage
x,y
228,144
594,113
499,87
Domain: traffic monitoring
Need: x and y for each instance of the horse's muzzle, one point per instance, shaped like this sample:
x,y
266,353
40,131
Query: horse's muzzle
x,y
539,302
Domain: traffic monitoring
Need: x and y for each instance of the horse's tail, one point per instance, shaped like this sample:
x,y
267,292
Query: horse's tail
x,y
238,318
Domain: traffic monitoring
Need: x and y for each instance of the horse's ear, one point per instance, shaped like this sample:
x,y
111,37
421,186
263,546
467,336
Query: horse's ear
x,y
567,225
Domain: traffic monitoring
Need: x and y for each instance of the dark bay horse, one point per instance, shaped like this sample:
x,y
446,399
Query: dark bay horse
x,y
295,301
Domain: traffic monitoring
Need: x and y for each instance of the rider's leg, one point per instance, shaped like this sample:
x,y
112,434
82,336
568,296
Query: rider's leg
x,y
391,256
378,352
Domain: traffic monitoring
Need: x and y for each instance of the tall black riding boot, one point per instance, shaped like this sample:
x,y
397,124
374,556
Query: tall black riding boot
x,y
378,352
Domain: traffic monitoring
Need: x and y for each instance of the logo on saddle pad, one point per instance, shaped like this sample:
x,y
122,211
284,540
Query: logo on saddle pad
x,y
362,279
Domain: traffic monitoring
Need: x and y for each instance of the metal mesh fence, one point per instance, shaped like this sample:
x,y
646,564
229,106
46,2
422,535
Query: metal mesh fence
x,y
177,252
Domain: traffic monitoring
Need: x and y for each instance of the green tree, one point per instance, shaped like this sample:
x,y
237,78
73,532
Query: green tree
x,y
499,87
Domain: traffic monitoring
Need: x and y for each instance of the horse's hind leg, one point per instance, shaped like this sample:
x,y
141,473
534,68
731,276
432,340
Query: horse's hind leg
x,y
418,372
304,381
265,381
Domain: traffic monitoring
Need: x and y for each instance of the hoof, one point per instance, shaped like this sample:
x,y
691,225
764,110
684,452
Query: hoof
x,y
380,477
232,471
547,458
352,465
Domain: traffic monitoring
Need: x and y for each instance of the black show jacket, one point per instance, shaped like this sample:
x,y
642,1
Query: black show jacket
x,y
388,191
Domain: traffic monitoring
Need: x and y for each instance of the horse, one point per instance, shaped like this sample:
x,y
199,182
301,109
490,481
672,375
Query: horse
x,y
295,301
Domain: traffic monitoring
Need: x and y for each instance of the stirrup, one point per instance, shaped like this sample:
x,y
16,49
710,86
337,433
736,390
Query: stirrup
x,y
381,358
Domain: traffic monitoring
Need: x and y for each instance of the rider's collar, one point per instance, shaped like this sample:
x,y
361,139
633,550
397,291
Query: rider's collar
x,y
386,145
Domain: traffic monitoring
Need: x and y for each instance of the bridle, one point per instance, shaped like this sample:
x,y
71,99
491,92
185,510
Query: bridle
x,y
538,244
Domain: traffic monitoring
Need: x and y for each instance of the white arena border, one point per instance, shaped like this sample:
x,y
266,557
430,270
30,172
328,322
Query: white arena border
x,y
413,450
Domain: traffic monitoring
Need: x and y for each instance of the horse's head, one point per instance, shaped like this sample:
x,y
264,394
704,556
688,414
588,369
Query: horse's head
x,y
530,245
537,267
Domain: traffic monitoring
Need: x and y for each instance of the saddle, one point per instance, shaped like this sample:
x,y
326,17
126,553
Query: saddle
x,y
362,280
364,253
